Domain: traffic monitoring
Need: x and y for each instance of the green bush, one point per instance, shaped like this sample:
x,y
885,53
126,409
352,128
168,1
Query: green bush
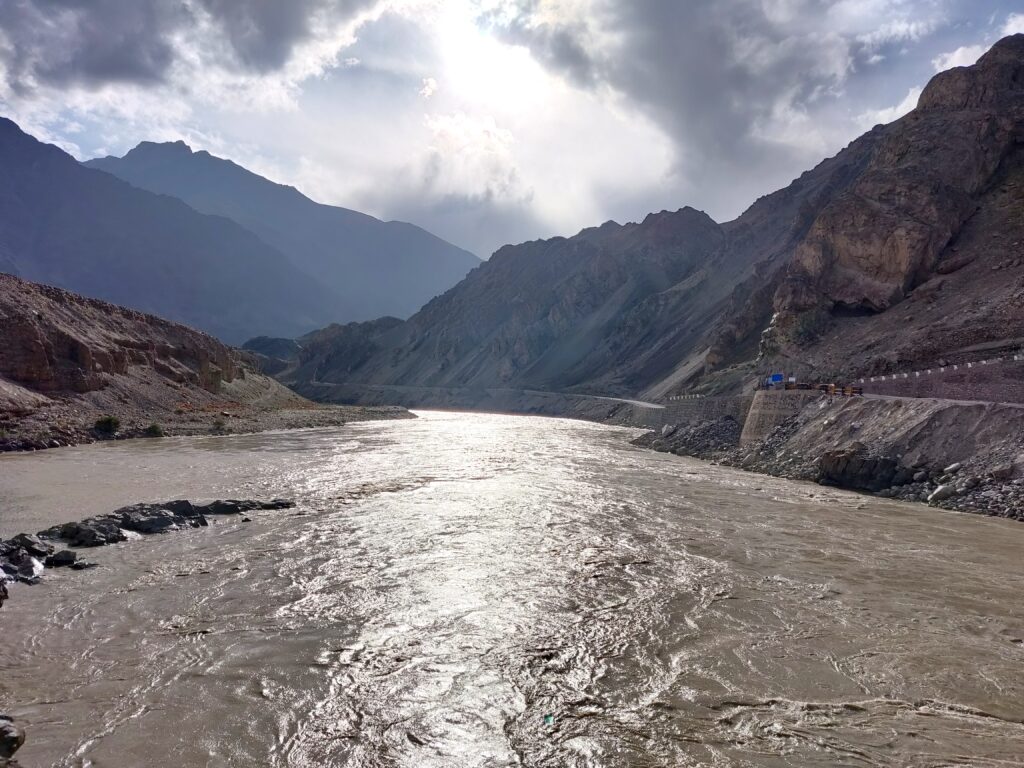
x,y
107,425
219,426
153,430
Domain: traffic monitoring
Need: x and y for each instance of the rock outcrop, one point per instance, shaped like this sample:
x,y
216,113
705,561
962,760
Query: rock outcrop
x,y
854,467
56,341
884,234
24,557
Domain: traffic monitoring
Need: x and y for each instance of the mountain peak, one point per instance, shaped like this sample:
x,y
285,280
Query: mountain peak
x,y
178,147
995,81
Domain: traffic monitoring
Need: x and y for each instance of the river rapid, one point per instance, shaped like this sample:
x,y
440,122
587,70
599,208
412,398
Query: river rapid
x,y
484,591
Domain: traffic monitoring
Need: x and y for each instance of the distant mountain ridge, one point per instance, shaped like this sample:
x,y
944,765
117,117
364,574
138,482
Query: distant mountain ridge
x,y
374,268
908,243
84,230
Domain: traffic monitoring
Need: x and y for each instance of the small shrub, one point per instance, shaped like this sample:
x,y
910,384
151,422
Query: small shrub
x,y
219,426
107,425
153,430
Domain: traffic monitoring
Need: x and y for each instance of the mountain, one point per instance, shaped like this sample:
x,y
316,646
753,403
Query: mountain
x,y
374,267
905,244
68,362
82,229
920,258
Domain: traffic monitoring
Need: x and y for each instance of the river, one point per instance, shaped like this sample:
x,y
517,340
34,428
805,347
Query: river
x,y
484,591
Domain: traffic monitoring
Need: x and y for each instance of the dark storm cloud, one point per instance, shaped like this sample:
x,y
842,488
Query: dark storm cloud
x,y
559,45
262,33
743,88
94,42
715,75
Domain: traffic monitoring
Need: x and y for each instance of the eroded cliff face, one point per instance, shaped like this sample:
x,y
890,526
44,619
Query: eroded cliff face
x,y
67,361
58,342
884,235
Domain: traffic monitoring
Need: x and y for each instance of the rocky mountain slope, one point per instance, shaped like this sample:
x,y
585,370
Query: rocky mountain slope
x,y
87,231
906,243
924,256
68,362
374,267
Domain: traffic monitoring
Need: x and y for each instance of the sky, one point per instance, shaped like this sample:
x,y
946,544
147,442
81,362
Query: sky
x,y
489,121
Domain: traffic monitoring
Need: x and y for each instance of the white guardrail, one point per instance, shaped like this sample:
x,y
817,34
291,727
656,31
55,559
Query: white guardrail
x,y
940,369
900,376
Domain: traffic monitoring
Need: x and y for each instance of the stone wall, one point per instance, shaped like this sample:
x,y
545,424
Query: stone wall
x,y
697,409
770,408
998,381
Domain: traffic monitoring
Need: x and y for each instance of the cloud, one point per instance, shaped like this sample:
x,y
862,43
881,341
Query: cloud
x,y
93,43
963,56
1014,24
737,86
543,116
898,31
472,157
875,117
429,87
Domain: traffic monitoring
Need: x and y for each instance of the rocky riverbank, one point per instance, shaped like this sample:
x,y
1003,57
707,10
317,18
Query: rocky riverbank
x,y
955,456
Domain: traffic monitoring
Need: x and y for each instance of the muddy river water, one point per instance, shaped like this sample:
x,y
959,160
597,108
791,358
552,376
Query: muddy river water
x,y
474,590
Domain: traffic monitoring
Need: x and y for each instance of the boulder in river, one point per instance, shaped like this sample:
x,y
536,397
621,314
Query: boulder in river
x,y
24,557
156,518
853,467
237,507
19,565
91,532
11,739
61,559
32,544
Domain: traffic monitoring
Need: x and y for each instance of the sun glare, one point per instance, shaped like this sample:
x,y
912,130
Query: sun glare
x,y
483,70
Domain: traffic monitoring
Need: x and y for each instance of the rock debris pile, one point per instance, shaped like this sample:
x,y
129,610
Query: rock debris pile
x,y
25,557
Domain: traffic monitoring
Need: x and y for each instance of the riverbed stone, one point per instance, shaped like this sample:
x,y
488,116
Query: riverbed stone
x,y
157,518
1002,472
32,544
277,504
91,532
19,565
942,493
61,559
11,738
227,507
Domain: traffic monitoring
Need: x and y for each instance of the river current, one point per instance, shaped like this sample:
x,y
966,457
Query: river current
x,y
484,591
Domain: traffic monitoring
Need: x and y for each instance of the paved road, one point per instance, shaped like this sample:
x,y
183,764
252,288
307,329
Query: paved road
x,y
494,390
